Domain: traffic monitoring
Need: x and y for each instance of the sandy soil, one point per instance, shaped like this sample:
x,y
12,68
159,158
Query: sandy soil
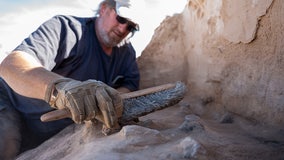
x,y
172,133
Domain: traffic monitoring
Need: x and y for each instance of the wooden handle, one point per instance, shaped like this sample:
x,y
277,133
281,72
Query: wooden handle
x,y
55,115
65,113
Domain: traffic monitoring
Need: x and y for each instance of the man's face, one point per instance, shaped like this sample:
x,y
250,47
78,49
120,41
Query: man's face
x,y
109,30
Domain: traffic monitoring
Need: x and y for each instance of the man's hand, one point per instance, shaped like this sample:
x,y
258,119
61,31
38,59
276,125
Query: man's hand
x,y
87,100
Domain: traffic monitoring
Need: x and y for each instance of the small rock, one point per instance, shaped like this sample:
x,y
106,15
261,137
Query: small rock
x,y
227,118
191,123
138,135
190,147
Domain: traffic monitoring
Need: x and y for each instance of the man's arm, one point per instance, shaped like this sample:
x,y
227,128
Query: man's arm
x,y
25,75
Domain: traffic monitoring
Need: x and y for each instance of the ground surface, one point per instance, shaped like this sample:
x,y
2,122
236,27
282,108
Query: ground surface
x,y
172,133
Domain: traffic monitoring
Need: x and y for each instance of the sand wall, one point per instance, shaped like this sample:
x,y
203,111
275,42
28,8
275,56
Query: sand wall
x,y
230,54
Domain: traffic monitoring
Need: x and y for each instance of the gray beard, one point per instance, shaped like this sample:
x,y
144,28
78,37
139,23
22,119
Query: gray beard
x,y
106,39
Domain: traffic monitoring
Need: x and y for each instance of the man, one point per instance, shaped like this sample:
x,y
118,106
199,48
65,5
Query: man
x,y
68,62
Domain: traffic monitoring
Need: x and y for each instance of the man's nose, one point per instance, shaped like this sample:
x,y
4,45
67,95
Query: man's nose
x,y
123,27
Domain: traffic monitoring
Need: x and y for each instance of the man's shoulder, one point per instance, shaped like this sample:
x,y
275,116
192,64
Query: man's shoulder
x,y
70,19
126,49
127,46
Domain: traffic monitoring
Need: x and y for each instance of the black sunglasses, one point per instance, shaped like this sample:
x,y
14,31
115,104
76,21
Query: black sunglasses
x,y
131,26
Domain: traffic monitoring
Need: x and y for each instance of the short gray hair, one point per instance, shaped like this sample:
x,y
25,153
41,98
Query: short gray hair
x,y
110,3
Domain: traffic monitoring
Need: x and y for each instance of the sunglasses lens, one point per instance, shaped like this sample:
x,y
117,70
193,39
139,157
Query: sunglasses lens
x,y
130,25
121,20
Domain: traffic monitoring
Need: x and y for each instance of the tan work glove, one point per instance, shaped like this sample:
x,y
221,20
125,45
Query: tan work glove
x,y
87,100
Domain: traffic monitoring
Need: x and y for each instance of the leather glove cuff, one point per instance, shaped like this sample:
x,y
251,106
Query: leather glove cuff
x,y
51,92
